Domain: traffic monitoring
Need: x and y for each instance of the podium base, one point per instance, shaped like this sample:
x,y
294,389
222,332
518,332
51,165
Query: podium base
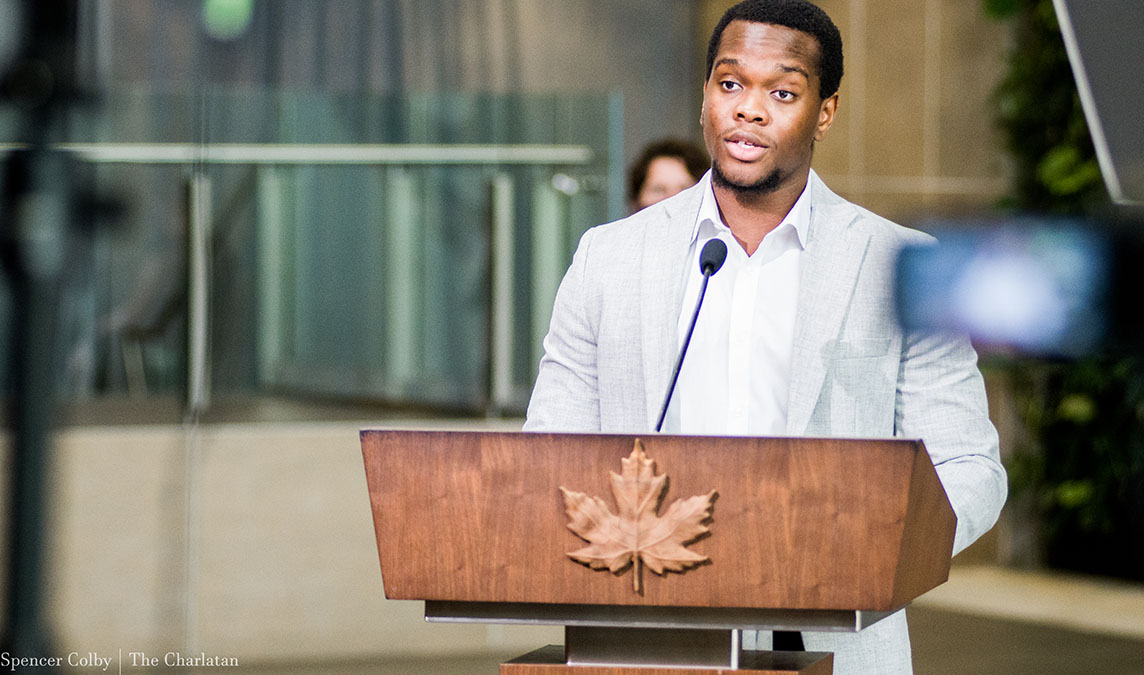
x,y
550,661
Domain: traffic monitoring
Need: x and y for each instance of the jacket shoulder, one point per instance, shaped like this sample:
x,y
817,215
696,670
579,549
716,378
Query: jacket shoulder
x,y
619,239
880,229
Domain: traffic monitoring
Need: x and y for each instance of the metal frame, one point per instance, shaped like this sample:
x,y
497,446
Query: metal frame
x,y
1088,104
640,616
321,153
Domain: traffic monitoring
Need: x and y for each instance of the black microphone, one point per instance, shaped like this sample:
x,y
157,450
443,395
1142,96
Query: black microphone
x,y
710,260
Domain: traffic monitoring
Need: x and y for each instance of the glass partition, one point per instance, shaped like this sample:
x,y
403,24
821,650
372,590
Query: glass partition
x,y
398,249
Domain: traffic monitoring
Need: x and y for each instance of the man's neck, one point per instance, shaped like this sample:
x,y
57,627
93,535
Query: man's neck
x,y
751,217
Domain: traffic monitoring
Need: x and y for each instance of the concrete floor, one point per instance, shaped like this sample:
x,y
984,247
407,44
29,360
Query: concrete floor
x,y
955,643
986,620
944,643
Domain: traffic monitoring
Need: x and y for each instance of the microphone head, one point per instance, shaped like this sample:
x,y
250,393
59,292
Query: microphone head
x,y
712,256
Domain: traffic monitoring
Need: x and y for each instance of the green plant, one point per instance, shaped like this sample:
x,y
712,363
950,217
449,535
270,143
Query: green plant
x,y
1085,478
1038,110
1083,471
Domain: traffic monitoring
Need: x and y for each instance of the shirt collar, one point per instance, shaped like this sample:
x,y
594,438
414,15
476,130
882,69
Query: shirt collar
x,y
709,222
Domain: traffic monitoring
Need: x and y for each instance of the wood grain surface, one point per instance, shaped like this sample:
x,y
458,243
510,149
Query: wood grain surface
x,y
797,523
550,661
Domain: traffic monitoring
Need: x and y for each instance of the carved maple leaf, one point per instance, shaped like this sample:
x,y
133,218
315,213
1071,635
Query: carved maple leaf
x,y
636,533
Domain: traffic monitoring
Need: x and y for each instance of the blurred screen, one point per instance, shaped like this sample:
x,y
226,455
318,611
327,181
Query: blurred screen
x,y
1042,290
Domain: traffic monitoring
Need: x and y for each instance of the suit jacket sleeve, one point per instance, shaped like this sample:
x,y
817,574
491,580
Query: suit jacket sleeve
x,y
566,395
941,399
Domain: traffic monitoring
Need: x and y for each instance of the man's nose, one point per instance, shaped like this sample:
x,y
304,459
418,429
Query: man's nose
x,y
751,108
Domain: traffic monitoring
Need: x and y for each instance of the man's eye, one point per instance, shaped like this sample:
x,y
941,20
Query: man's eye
x,y
728,85
784,95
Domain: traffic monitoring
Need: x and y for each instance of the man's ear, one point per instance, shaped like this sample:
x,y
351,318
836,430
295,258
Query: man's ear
x,y
826,113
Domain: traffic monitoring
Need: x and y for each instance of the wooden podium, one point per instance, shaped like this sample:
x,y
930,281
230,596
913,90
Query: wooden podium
x,y
804,534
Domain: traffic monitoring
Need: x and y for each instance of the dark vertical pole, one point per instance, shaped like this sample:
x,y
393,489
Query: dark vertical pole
x,y
35,222
33,246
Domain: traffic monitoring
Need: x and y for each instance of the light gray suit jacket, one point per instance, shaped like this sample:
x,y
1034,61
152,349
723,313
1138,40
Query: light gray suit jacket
x,y
612,343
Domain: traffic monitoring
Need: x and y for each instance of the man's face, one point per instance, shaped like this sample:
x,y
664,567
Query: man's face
x,y
761,107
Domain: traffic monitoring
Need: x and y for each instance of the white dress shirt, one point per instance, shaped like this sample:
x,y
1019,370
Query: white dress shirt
x,y
736,376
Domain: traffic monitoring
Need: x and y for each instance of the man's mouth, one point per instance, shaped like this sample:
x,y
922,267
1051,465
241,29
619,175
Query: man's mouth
x,y
745,150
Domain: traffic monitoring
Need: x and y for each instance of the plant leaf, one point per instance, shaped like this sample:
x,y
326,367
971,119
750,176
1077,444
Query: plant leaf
x,y
637,533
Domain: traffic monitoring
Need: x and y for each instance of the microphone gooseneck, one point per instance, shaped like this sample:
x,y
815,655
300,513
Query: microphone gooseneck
x,y
711,259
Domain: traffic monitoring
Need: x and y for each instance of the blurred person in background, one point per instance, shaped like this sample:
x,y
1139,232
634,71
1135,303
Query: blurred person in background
x,y
665,168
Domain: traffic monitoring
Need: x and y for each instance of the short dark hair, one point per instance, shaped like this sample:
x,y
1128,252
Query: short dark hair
x,y
799,15
693,157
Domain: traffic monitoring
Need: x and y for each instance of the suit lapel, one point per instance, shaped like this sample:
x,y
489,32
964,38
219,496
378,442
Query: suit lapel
x,y
833,256
661,290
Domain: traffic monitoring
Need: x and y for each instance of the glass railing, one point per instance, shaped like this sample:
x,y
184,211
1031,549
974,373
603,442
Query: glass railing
x,y
391,249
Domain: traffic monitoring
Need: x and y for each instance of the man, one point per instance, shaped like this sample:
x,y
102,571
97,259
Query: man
x,y
797,334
